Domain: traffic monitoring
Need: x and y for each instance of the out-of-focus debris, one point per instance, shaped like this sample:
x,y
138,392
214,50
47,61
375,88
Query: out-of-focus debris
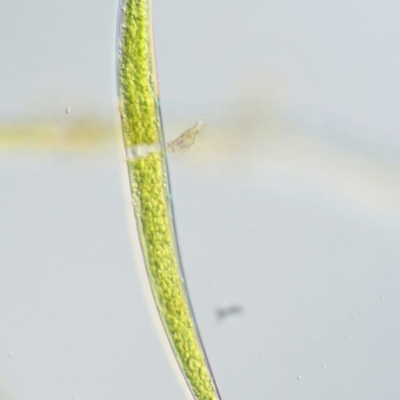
x,y
226,311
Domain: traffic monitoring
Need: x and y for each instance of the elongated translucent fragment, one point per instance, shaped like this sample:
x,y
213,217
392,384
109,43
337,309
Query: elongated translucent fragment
x,y
187,138
145,152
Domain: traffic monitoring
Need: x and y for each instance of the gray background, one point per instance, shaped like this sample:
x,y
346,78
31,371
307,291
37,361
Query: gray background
x,y
288,205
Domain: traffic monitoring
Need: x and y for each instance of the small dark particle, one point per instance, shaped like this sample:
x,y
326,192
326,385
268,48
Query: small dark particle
x,y
226,311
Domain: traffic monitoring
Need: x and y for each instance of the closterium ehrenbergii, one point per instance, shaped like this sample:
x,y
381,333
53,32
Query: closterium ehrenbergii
x,y
149,183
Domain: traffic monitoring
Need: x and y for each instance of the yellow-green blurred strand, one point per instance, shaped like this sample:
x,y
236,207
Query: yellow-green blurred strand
x,y
145,150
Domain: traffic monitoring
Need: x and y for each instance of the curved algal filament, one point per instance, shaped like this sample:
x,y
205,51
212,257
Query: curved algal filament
x,y
145,151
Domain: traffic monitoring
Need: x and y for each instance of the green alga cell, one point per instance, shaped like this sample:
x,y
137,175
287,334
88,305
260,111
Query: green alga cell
x,y
144,145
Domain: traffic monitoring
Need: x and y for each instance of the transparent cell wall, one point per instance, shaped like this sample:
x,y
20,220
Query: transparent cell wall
x,y
287,205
